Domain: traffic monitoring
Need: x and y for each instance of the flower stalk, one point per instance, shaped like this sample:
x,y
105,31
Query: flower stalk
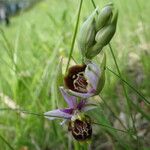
x,y
83,81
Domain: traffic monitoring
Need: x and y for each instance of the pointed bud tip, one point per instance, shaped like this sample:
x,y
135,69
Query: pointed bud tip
x,y
115,18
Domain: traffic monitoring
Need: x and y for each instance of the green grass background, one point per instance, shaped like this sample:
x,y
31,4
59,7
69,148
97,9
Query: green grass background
x,y
30,50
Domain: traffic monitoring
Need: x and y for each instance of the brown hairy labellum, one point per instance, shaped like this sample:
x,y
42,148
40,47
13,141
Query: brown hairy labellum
x,y
75,79
81,129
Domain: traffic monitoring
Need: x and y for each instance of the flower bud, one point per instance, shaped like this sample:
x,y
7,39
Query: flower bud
x,y
102,38
87,33
104,35
104,17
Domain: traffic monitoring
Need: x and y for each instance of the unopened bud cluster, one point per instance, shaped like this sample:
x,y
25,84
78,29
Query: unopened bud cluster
x,y
97,31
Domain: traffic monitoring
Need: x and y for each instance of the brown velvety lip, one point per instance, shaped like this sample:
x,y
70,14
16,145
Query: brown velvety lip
x,y
81,129
72,72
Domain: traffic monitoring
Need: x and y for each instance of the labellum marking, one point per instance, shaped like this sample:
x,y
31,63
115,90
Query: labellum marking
x,y
81,129
80,83
75,79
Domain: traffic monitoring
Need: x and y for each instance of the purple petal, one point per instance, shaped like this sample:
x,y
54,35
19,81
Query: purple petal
x,y
92,73
71,100
57,114
82,95
67,110
81,104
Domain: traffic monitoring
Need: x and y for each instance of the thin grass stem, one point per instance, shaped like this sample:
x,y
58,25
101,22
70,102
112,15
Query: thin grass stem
x,y
9,48
112,112
118,70
29,113
22,111
129,85
125,93
74,35
5,141
110,127
93,3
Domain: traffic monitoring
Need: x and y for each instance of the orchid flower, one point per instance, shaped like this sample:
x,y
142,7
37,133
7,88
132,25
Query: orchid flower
x,y
74,107
79,123
85,80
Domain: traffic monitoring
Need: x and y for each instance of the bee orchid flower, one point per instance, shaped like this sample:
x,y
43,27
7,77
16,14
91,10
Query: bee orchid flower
x,y
85,80
74,107
79,124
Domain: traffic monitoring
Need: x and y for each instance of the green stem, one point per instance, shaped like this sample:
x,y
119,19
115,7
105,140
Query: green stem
x,y
118,70
3,139
112,112
93,3
22,111
9,49
76,145
29,113
125,92
110,127
74,35
129,85
124,89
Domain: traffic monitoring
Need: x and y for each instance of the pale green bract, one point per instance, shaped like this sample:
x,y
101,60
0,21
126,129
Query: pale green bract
x,y
87,33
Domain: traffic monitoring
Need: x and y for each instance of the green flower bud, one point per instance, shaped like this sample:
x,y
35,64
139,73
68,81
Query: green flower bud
x,y
104,35
102,38
87,33
104,17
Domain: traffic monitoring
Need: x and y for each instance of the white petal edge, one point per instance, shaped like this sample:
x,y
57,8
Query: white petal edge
x,y
57,114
